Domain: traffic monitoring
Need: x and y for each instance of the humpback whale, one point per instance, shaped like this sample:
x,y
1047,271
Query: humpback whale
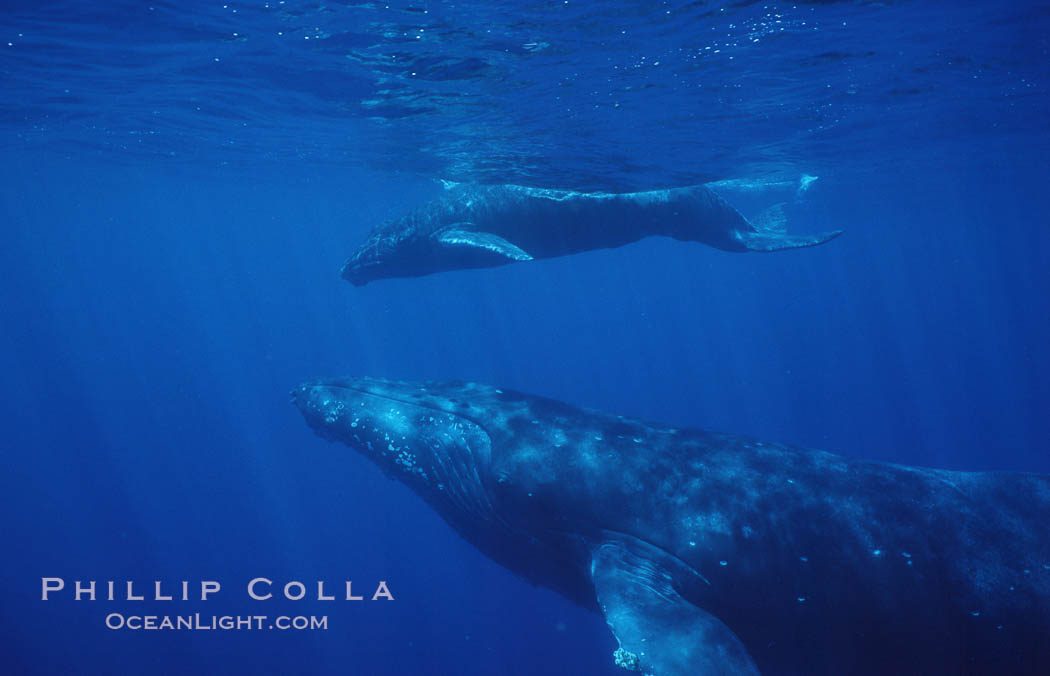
x,y
710,553
479,226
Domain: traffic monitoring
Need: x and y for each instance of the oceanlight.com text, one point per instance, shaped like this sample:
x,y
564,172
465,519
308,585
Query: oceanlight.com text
x,y
198,622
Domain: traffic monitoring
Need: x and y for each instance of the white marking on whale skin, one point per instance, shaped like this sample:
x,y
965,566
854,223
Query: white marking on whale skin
x,y
652,197
555,195
712,523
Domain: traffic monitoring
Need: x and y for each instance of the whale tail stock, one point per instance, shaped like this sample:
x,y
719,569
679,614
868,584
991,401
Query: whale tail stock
x,y
769,233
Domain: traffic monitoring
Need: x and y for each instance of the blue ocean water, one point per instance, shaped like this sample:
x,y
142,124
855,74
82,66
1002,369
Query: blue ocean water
x,y
182,181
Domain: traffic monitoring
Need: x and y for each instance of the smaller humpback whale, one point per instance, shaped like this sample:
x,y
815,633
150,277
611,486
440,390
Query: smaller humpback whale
x,y
478,226
717,554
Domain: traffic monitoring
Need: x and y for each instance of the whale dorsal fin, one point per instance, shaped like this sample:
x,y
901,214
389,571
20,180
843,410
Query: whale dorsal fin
x,y
461,235
659,631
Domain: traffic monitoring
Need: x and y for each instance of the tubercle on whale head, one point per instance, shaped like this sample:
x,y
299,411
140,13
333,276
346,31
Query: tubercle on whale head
x,y
410,434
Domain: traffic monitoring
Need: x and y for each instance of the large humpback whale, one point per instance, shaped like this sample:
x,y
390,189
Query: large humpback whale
x,y
716,554
477,226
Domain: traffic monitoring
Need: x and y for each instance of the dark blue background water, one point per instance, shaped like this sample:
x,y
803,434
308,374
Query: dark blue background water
x,y
177,200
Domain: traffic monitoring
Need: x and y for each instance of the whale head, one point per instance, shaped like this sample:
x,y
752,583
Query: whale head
x,y
495,464
429,240
387,254
406,252
428,440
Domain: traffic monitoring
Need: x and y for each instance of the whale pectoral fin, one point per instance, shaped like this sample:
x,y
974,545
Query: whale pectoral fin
x,y
482,242
659,632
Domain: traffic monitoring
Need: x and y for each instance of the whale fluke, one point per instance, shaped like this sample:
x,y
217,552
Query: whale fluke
x,y
770,235
778,241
